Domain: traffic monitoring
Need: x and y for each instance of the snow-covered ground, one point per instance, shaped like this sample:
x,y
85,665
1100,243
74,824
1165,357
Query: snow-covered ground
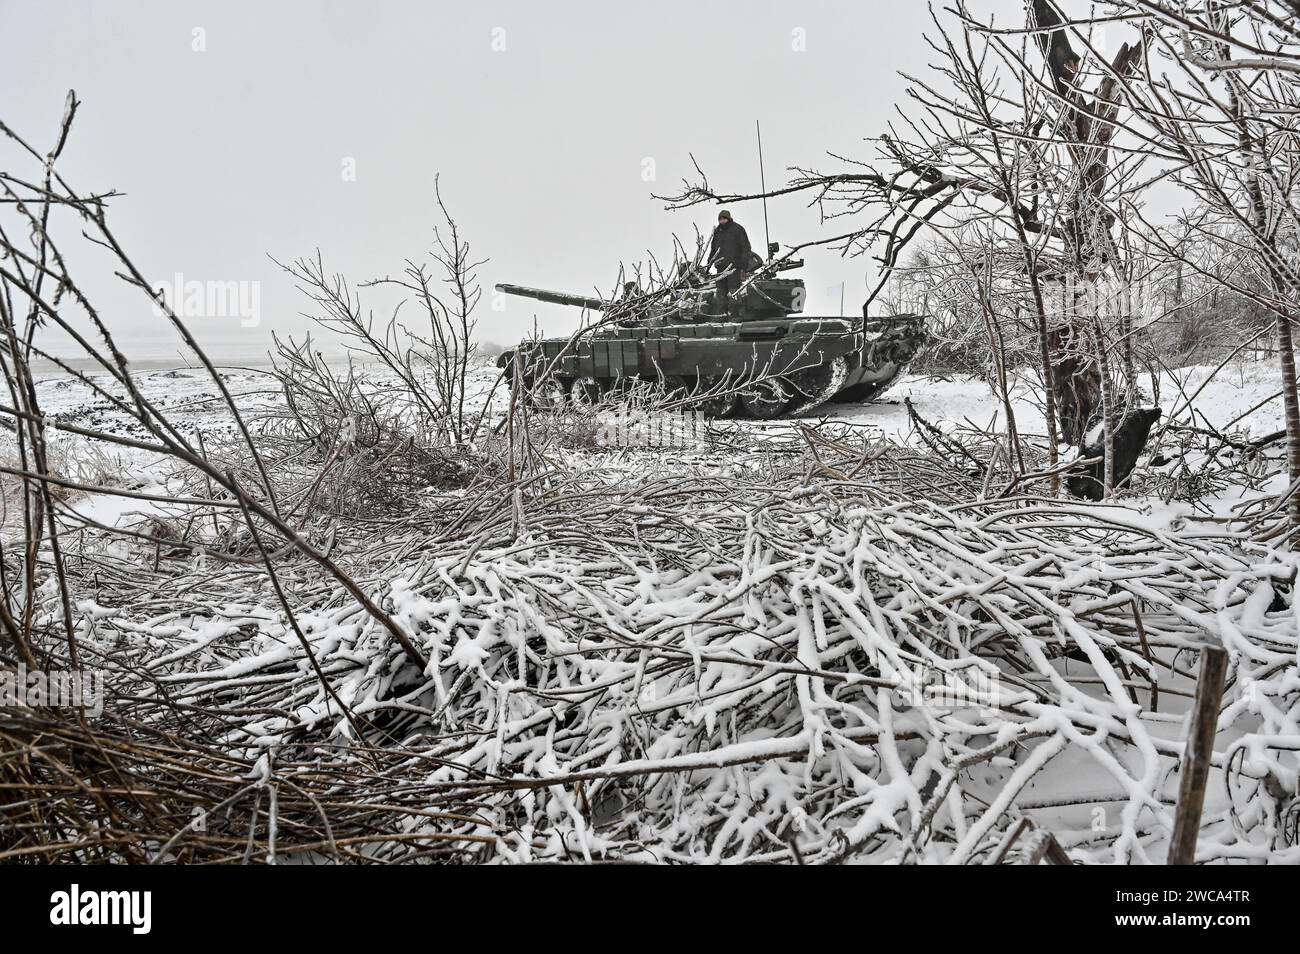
x,y
1243,395
883,578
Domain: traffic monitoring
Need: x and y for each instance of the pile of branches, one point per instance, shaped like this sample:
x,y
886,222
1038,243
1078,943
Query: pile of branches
x,y
116,790
680,671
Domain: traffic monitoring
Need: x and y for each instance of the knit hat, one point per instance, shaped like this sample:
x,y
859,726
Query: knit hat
x,y
724,214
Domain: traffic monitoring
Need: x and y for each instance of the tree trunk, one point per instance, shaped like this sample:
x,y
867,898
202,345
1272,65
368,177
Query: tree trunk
x,y
1291,402
1075,375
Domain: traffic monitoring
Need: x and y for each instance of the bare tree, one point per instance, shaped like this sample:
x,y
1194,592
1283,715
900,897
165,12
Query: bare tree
x,y
431,359
1211,91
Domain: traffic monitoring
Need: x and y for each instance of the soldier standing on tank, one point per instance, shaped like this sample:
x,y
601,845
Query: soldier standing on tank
x,y
730,253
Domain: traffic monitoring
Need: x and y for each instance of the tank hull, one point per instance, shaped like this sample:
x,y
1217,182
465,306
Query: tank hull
x,y
802,361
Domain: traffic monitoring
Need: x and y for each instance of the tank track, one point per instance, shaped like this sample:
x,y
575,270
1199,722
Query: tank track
x,y
548,397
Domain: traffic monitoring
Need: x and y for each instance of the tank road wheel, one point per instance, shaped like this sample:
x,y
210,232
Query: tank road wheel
x,y
584,392
618,386
715,405
547,395
766,399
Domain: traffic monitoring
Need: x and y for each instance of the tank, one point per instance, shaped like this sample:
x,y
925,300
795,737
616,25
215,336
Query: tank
x,y
754,356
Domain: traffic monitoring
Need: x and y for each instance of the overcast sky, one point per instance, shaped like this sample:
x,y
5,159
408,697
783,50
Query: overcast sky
x,y
241,149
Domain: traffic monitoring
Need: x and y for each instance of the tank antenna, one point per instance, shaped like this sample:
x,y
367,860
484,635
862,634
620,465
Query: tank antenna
x,y
762,181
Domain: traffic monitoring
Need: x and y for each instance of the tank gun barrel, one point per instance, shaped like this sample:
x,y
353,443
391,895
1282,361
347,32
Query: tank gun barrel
x,y
554,297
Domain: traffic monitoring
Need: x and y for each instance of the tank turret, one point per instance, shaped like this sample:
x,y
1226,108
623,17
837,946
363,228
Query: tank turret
x,y
691,298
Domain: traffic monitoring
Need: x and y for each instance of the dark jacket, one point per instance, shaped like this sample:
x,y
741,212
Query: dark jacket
x,y
730,246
